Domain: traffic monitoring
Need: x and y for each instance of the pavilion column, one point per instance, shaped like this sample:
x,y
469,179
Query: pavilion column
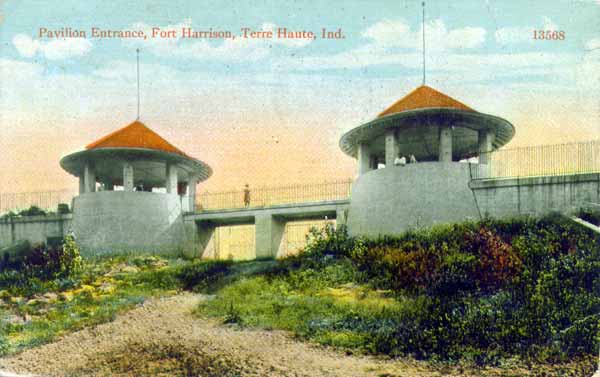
x,y
374,162
192,193
89,177
82,184
445,149
127,177
485,140
108,186
364,159
171,183
391,147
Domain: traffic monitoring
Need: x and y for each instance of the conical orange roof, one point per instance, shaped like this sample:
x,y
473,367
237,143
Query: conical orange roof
x,y
424,97
135,135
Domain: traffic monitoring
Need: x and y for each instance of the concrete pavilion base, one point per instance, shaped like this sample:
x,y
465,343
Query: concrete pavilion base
x,y
128,222
398,198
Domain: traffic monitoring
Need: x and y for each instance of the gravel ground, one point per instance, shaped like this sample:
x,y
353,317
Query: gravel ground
x,y
161,337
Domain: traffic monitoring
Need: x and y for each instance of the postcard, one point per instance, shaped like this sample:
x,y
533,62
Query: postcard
x,y
306,188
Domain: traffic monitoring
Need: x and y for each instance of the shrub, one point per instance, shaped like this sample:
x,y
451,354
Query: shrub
x,y
54,262
479,291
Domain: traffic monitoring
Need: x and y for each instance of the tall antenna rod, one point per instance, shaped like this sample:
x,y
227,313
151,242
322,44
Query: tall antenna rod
x,y
423,5
138,83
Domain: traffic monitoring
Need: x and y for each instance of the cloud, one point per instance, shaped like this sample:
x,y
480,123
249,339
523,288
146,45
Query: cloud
x,y
233,49
593,44
390,33
522,34
56,49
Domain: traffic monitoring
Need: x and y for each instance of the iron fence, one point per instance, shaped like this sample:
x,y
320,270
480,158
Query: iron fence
x,y
46,200
268,196
543,160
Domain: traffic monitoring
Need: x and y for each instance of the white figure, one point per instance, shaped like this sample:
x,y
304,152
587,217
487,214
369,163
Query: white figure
x,y
400,161
412,159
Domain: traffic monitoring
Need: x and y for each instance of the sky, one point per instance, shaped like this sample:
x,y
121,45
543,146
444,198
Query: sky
x,y
271,111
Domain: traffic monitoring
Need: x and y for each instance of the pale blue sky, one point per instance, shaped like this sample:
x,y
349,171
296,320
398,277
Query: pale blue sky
x,y
209,96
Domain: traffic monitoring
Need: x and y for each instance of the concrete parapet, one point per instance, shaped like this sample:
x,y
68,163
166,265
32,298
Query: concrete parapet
x,y
126,222
394,200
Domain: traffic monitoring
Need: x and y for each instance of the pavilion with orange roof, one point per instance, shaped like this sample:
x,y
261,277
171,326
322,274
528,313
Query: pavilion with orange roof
x,y
134,187
135,158
429,125
441,135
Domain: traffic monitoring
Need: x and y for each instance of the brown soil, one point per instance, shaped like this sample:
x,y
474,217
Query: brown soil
x,y
163,338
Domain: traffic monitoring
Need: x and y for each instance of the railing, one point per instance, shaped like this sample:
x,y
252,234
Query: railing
x,y
268,196
544,160
46,200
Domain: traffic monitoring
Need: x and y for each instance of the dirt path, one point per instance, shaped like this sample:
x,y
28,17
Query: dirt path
x,y
161,337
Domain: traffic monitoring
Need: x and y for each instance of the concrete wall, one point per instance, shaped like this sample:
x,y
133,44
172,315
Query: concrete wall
x,y
536,195
35,229
384,201
395,199
128,222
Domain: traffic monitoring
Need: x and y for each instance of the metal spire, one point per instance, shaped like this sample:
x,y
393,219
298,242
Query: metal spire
x,y
138,83
423,5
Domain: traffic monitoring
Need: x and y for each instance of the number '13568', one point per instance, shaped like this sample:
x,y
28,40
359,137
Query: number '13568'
x,y
549,35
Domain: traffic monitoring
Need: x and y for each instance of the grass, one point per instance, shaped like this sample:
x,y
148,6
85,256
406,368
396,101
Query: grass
x,y
36,312
361,295
495,293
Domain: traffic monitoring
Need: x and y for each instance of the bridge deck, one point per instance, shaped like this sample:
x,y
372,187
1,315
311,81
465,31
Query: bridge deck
x,y
296,211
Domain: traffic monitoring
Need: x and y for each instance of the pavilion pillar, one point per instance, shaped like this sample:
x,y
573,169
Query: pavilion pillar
x,y
127,177
485,140
171,183
364,159
374,162
445,144
391,148
192,193
82,184
89,177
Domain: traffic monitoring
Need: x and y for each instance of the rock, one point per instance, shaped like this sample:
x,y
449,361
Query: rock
x,y
17,300
50,296
106,288
130,269
65,296
18,320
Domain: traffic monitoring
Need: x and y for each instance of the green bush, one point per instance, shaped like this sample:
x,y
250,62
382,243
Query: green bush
x,y
47,262
479,291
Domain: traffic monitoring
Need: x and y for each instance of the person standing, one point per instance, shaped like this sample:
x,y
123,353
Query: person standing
x,y
246,196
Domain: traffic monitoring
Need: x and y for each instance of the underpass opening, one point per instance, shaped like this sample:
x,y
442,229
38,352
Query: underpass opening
x,y
295,235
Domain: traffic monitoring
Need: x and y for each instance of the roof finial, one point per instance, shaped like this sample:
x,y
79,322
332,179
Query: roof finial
x,y
137,50
423,5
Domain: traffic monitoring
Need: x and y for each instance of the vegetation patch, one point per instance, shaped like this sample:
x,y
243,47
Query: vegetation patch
x,y
53,290
483,293
160,359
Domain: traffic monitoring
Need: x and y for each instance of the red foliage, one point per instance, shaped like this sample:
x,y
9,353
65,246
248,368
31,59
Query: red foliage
x,y
498,262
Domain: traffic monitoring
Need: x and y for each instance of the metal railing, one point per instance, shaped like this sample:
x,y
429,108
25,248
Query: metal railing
x,y
543,160
268,196
46,200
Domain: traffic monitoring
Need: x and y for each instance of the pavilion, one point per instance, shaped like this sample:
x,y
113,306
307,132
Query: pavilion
x,y
134,187
442,134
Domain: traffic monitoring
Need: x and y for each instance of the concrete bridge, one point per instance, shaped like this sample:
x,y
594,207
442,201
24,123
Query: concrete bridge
x,y
269,223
